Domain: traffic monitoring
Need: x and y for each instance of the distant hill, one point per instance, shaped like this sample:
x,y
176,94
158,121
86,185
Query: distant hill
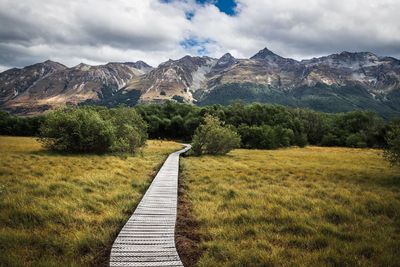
x,y
334,83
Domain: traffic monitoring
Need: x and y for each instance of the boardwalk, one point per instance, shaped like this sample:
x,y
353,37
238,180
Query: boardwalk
x,y
147,239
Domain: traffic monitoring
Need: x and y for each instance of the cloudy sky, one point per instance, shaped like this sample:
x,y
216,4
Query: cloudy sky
x,y
99,31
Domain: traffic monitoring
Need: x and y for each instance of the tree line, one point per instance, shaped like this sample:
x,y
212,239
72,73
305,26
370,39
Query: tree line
x,y
260,126
82,130
269,126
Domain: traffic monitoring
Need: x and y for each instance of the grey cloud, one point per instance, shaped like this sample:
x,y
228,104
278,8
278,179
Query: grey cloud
x,y
305,28
12,55
97,31
32,30
319,27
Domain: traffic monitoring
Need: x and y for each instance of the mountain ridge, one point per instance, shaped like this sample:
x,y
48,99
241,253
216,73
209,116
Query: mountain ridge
x,y
342,81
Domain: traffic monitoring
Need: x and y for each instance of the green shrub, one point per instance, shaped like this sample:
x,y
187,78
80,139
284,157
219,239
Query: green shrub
x,y
285,136
89,130
330,140
300,139
19,126
129,129
257,137
392,152
265,136
76,130
212,137
356,140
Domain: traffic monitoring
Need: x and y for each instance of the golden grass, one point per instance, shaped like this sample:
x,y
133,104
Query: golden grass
x,y
65,210
296,207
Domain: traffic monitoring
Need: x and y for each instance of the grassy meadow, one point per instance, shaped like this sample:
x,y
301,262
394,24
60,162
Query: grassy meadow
x,y
65,210
308,206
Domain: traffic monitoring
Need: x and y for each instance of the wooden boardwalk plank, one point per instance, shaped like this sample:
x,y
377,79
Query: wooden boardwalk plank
x,y
148,237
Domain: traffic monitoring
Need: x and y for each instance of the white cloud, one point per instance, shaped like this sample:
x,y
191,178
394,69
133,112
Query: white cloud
x,y
99,31
3,68
305,28
93,31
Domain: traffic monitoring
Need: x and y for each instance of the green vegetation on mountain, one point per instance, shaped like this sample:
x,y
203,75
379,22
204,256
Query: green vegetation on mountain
x,y
321,97
244,92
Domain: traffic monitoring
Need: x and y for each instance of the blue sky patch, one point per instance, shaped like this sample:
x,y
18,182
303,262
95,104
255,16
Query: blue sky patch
x,y
196,44
189,15
226,6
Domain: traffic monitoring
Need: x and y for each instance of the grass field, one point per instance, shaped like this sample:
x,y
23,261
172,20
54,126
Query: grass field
x,y
295,207
65,210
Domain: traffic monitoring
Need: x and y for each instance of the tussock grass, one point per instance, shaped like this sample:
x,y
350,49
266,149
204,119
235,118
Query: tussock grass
x,y
296,207
65,210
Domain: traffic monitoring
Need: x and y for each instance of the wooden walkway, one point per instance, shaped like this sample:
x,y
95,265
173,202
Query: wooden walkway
x,y
148,238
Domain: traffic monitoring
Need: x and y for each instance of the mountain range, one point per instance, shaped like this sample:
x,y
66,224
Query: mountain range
x,y
335,83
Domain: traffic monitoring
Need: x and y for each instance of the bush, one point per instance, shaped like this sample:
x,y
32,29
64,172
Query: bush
x,y
300,139
330,140
87,130
265,136
261,137
284,136
356,140
212,137
19,126
129,129
392,152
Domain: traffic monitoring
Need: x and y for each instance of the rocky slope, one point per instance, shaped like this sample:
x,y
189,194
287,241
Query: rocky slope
x,y
15,81
335,83
339,82
49,84
173,79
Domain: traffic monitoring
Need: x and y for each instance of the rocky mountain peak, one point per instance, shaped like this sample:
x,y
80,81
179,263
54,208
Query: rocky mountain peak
x,y
188,62
139,65
49,65
226,60
50,62
358,56
346,59
82,67
265,54
223,63
227,56
201,79
191,61
142,65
